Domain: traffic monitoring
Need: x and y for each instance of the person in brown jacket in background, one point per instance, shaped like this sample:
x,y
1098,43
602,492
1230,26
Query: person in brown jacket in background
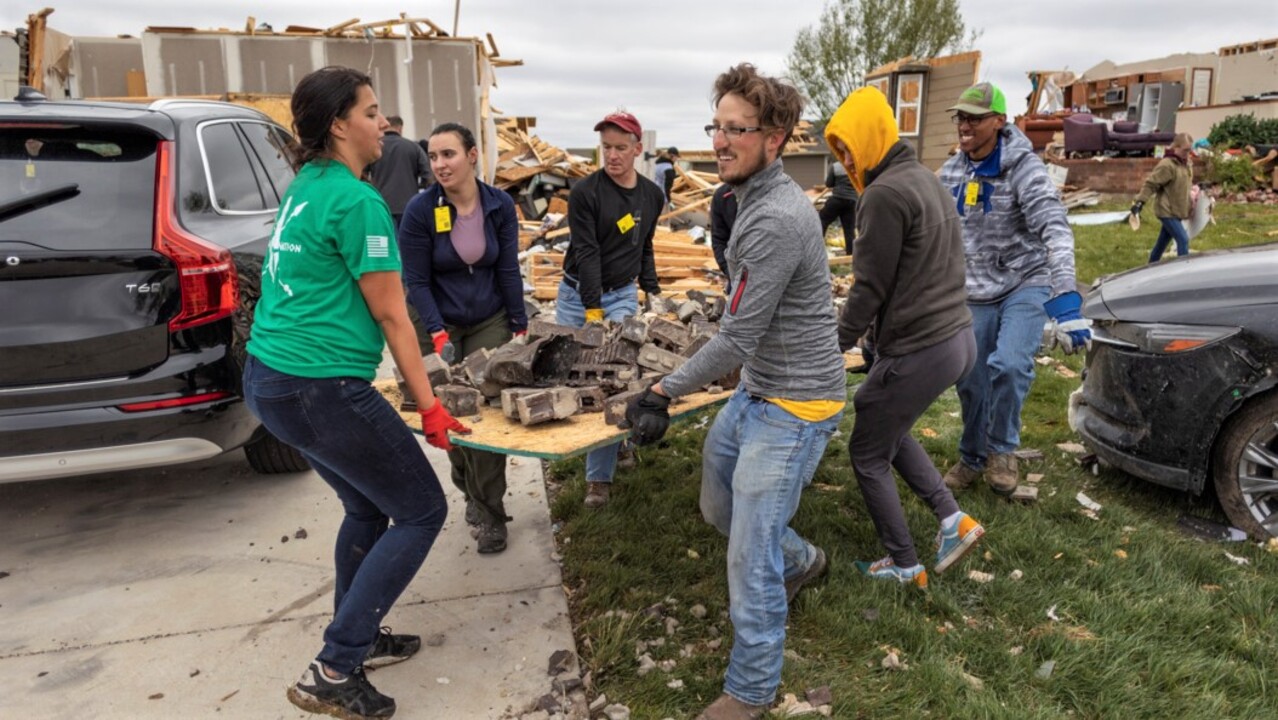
x,y
1169,185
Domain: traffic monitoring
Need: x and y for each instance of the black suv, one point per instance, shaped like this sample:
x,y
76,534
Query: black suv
x,y
131,245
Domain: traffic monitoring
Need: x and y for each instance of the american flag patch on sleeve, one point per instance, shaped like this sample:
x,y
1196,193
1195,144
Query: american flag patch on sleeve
x,y
378,246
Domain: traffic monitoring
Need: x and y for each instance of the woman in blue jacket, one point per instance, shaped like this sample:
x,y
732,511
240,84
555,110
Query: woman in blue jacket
x,y
460,243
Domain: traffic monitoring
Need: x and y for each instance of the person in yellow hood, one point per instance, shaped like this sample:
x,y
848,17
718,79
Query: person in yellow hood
x,y
909,294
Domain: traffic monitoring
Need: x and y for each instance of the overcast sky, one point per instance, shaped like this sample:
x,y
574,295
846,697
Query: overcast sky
x,y
584,58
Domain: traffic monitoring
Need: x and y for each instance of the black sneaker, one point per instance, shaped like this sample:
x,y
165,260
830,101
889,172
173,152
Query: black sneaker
x,y
492,538
389,649
473,516
352,698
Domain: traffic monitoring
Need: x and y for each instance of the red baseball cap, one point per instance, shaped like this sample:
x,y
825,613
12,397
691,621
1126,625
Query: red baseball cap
x,y
623,120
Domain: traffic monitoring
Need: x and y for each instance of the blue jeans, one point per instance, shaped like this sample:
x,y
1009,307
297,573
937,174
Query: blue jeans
x,y
756,461
619,304
361,447
1173,229
1008,333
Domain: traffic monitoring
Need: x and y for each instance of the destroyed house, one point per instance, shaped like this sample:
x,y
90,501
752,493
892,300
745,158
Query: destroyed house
x,y
921,93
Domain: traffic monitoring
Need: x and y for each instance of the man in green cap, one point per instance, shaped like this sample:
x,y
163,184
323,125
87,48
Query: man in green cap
x,y
1020,274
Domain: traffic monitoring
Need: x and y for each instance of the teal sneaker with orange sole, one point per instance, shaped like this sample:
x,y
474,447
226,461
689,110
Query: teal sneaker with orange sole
x,y
886,569
953,544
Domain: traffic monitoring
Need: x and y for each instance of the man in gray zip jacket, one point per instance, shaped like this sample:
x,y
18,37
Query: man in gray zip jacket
x,y
765,444
1020,271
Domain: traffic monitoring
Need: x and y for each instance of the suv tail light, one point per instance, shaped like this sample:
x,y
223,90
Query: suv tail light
x,y
206,273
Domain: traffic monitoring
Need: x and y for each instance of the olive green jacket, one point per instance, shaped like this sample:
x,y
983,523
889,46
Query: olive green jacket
x,y
1169,183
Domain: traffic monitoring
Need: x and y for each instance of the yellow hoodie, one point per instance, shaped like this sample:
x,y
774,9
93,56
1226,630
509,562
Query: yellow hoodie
x,y
866,125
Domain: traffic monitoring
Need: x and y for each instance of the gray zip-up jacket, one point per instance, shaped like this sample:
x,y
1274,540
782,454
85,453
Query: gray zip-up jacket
x,y
1022,239
780,319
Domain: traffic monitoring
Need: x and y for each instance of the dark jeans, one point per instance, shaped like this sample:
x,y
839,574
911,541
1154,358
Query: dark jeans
x,y
845,211
1173,229
896,392
361,447
481,476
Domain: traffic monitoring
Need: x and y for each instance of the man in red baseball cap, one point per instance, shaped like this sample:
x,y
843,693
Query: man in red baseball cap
x,y
612,216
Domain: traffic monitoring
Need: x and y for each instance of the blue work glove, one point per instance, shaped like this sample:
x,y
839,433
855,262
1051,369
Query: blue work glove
x,y
648,417
1069,329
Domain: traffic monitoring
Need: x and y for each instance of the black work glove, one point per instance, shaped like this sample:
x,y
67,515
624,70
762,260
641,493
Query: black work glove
x,y
1137,207
648,417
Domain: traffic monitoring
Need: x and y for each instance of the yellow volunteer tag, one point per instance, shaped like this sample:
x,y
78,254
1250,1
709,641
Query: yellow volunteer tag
x,y
626,224
443,219
973,191
30,169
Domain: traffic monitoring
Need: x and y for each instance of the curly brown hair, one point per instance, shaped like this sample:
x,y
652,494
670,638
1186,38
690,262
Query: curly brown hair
x,y
779,103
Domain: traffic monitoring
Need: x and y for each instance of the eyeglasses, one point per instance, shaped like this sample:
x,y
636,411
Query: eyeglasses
x,y
730,132
970,120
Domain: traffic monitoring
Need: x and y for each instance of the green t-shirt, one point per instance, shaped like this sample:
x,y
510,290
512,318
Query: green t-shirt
x,y
311,320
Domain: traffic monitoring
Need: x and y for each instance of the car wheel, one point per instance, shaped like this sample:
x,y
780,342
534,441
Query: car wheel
x,y
269,455
1245,468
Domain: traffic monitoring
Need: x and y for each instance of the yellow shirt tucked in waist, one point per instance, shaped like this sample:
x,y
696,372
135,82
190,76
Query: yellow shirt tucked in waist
x,y
810,410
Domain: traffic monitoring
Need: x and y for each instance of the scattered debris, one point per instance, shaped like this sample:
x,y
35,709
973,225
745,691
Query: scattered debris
x,y
560,660
598,703
1025,494
698,611
1271,545
791,706
1016,574
283,539
1210,588
1087,502
300,534
1016,650
1237,560
974,682
194,672
693,554
435,640
442,680
1051,613
819,696
980,577
1209,530
1120,554
3,575
646,664
1034,478
892,660
675,684
617,712
156,696
1044,671
1071,448
1028,454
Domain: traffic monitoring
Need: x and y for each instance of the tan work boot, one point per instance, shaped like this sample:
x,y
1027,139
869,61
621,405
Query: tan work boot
x,y
960,476
730,708
597,494
1001,473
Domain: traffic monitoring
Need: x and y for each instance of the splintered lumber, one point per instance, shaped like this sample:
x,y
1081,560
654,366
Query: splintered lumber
x,y
579,434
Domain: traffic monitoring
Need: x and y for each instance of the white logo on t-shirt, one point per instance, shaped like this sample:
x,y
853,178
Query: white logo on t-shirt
x,y
275,246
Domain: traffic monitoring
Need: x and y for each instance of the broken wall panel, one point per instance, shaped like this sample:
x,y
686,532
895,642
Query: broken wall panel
x,y
100,67
275,65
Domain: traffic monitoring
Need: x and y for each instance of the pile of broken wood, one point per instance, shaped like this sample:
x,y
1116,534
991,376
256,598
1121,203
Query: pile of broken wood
x,y
522,156
558,371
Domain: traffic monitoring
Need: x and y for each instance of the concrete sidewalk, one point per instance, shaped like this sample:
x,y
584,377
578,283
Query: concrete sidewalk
x,y
172,593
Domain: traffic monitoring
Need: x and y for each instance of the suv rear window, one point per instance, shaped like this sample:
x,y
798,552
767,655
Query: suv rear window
x,y
75,187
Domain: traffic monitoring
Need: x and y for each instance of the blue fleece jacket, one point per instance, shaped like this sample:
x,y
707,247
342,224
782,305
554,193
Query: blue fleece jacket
x,y
443,288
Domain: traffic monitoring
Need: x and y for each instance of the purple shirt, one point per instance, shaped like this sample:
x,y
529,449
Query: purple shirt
x,y
468,236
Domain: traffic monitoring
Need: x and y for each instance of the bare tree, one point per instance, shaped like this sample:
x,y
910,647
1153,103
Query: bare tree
x,y
852,37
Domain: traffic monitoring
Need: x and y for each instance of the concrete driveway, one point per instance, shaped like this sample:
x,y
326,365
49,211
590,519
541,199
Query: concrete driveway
x,y
193,592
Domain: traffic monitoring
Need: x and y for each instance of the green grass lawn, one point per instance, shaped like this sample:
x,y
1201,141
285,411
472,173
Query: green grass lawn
x,y
1151,623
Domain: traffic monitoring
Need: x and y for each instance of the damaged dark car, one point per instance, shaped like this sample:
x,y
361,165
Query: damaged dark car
x,y
1181,382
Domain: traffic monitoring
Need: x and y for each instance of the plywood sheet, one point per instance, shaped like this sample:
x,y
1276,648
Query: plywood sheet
x,y
553,440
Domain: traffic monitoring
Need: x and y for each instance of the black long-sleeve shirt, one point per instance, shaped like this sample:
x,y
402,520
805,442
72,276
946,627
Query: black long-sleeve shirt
x,y
723,215
611,229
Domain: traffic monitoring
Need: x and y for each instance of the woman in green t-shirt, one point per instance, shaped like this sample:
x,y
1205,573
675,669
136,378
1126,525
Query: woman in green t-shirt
x,y
331,299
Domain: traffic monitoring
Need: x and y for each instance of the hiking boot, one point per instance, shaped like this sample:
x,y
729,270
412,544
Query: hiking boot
x,y
730,708
1001,473
814,571
886,569
352,697
960,476
492,538
389,649
953,544
626,457
597,494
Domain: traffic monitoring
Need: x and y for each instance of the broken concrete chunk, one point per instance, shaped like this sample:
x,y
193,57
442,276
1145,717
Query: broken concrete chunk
x,y
589,335
660,305
551,404
697,343
615,406
668,334
458,400
437,371
655,358
634,329
686,310
591,399
617,712
820,696
1025,494
508,396
612,377
560,661
617,352
475,365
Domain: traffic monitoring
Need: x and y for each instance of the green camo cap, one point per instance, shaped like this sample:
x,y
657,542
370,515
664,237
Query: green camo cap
x,y
982,99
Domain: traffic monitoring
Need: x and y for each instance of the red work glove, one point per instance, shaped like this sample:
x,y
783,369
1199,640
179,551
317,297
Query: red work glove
x,y
443,348
436,422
